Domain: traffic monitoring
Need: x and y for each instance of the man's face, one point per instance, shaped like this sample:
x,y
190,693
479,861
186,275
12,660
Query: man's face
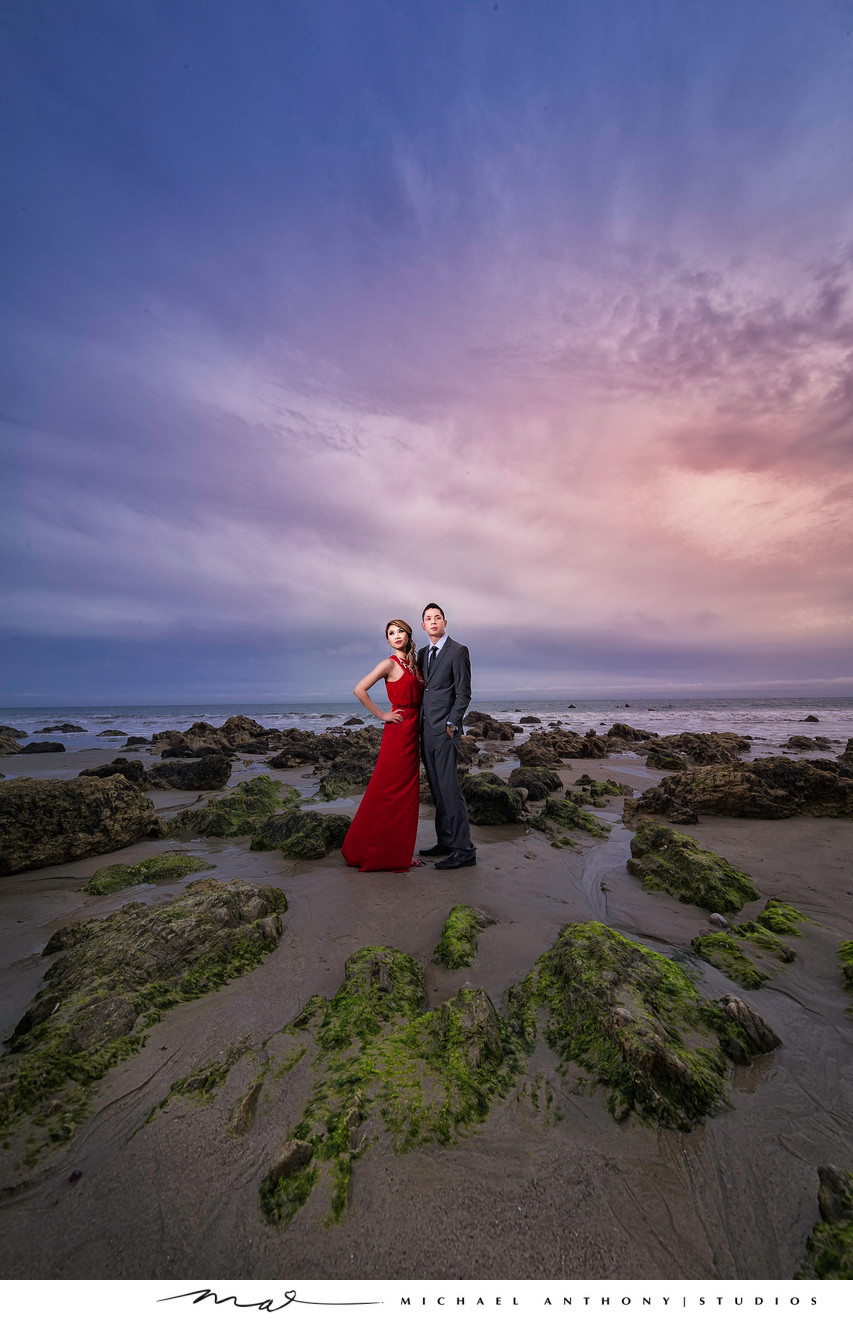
x,y
434,624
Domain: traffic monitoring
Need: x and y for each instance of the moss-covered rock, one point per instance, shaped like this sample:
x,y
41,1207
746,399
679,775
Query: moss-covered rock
x,y
782,918
114,977
568,815
727,953
240,812
302,835
201,1085
829,1250
597,793
160,867
43,822
387,1063
457,947
539,781
733,952
633,1021
769,787
665,761
666,860
490,800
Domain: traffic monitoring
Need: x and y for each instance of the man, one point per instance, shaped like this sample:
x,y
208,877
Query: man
x,y
446,668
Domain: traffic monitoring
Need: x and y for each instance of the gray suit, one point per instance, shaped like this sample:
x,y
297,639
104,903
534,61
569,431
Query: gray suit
x,y
447,692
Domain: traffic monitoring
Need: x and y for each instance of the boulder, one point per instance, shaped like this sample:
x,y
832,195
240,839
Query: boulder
x,y
539,781
490,799
483,726
66,728
632,1020
810,720
43,822
302,835
43,747
566,815
115,976
8,746
209,772
132,771
529,720
240,812
354,720
665,860
628,734
111,733
9,731
136,741
770,788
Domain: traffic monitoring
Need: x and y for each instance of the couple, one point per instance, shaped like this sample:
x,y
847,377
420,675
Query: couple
x,y
429,694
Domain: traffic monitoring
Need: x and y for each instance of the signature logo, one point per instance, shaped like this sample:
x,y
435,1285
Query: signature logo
x,y
263,1304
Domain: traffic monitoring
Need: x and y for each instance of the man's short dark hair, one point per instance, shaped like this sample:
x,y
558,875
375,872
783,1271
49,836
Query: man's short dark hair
x,y
432,605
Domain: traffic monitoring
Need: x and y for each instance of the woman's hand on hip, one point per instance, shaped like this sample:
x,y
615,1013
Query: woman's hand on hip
x,y
393,717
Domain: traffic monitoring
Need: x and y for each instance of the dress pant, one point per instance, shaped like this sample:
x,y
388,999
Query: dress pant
x,y
440,757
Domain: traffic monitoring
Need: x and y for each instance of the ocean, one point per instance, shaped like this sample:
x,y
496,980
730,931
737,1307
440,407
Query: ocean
x,y
766,720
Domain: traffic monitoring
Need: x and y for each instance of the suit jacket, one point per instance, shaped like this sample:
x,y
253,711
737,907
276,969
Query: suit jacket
x,y
447,691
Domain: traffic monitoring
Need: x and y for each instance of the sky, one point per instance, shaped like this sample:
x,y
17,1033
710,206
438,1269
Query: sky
x,y
319,310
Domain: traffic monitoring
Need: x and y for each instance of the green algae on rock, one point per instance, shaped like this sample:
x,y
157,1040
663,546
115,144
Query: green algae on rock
x,y
634,1021
782,918
238,813
829,1250
490,800
303,835
726,951
567,814
597,793
385,1062
457,947
665,860
160,867
114,977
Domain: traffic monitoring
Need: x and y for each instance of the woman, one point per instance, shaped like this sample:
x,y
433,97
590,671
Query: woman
x,y
382,836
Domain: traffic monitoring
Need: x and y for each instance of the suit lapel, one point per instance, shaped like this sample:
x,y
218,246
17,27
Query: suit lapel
x,y
436,665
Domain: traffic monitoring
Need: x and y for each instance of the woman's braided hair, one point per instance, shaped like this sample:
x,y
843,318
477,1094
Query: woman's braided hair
x,y
411,656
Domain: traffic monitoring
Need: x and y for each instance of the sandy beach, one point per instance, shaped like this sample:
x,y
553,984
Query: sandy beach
x,y
550,1186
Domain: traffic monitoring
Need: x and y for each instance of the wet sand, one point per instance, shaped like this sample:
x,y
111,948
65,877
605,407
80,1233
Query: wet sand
x,y
519,1197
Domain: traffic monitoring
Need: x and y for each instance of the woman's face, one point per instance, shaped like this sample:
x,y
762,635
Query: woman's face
x,y
398,637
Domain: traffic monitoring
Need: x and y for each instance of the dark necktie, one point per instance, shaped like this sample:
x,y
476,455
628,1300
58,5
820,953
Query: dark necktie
x,y
431,658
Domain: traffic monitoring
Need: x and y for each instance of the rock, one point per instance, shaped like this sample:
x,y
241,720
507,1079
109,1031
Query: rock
x,y
159,867
112,733
645,1034
293,1156
304,835
484,726
845,958
539,781
9,731
569,816
8,746
755,1032
457,947
347,774
597,793
354,720
665,860
829,1250
243,1115
113,978
209,772
43,747
490,799
530,720
628,733
240,812
67,728
846,757
811,720
468,1024
237,729
770,788
136,741
132,771
43,822
719,920
665,761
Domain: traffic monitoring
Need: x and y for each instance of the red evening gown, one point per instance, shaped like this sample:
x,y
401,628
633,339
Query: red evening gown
x,y
382,835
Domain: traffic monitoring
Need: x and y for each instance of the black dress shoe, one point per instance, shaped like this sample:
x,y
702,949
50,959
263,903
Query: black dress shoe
x,y
456,860
437,851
